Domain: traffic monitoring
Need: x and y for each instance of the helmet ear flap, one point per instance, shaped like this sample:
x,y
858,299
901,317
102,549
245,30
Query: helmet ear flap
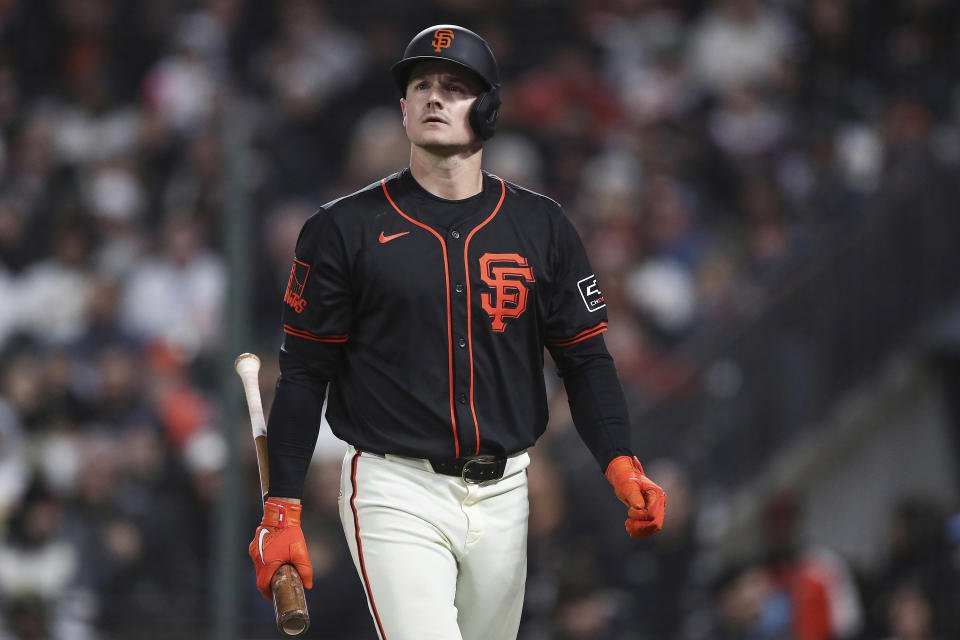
x,y
485,112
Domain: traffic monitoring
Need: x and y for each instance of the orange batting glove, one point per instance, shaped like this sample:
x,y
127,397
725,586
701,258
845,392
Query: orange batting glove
x,y
279,541
644,499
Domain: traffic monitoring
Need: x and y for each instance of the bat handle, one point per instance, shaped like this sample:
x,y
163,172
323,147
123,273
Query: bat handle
x,y
289,601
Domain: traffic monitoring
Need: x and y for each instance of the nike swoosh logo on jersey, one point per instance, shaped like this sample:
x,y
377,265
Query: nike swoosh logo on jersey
x,y
263,532
385,239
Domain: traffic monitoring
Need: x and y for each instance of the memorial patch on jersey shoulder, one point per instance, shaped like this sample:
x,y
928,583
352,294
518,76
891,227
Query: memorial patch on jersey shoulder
x,y
295,285
591,294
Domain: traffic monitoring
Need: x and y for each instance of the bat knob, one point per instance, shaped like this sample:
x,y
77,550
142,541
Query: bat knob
x,y
290,602
246,362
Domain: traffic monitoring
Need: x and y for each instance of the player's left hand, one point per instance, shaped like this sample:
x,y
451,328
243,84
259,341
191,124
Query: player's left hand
x,y
644,499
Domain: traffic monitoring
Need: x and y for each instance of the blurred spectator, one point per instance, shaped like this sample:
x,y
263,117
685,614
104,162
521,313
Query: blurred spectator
x,y
13,468
17,249
197,185
672,221
832,54
860,156
120,398
91,129
9,311
774,245
515,158
21,382
915,44
910,615
125,550
610,199
662,291
661,288
10,101
176,296
746,605
183,87
39,571
31,160
643,44
53,293
586,610
919,579
718,293
377,146
823,602
739,42
116,198
565,98
182,410
744,126
312,60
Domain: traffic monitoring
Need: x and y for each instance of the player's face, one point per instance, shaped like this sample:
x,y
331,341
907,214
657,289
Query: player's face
x,y
436,108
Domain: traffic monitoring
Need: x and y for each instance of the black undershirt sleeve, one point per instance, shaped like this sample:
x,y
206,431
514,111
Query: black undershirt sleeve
x,y
294,425
596,399
316,322
573,325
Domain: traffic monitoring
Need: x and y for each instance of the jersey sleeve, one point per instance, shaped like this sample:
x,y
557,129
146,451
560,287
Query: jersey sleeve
x,y
577,310
576,320
317,305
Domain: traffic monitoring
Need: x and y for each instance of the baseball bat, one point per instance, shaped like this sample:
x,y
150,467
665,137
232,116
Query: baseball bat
x,y
289,599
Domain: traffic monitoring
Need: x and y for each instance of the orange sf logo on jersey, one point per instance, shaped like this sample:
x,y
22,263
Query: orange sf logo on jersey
x,y
505,273
442,38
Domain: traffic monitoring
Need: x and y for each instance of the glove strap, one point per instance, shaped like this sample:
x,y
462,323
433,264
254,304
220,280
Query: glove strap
x,y
280,514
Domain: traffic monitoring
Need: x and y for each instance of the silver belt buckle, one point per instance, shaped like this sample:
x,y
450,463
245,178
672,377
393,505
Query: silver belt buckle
x,y
466,465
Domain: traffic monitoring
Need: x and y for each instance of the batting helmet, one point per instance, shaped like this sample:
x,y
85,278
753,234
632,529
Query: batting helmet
x,y
465,48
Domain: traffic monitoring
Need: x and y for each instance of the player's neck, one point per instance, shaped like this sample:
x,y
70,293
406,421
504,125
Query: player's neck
x,y
453,177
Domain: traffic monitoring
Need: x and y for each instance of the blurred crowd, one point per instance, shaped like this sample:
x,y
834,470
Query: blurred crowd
x,y
705,149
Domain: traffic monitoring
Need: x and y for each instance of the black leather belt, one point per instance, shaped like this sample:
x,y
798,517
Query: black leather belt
x,y
473,469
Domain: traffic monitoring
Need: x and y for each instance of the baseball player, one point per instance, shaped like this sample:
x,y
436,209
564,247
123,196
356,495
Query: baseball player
x,y
421,305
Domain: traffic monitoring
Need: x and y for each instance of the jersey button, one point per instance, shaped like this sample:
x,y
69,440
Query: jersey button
x,y
462,398
462,343
455,234
459,287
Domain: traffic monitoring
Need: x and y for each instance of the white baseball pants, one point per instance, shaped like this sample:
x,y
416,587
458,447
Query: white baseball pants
x,y
439,559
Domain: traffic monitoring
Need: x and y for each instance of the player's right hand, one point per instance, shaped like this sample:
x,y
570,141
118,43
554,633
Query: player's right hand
x,y
279,541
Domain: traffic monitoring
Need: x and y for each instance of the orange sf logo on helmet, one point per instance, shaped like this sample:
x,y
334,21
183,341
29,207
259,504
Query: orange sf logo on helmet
x,y
442,38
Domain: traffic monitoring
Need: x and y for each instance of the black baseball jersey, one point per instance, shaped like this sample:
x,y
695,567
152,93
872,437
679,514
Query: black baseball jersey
x,y
429,317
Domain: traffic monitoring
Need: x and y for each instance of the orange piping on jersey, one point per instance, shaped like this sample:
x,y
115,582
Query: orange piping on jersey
x,y
466,270
303,333
574,337
356,529
446,275
580,339
583,335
